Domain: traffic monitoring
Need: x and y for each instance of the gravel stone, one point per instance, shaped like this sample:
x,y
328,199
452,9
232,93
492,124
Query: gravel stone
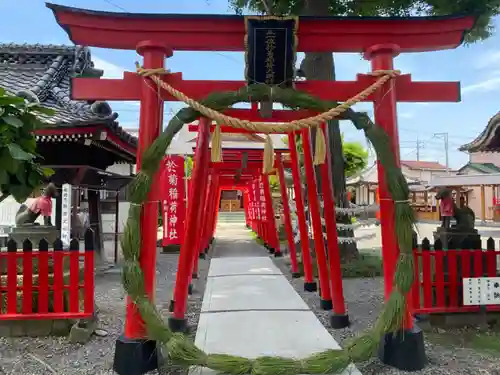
x,y
364,299
49,355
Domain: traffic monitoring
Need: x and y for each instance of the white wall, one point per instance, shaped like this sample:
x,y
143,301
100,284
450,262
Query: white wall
x,y
108,220
485,157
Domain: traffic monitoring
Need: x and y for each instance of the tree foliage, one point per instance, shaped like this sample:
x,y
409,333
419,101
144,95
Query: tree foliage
x,y
355,156
20,171
485,9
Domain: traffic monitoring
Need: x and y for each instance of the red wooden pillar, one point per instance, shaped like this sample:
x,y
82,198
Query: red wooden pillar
x,y
245,207
150,124
177,321
211,212
151,118
319,243
288,219
272,231
406,352
202,222
309,283
339,318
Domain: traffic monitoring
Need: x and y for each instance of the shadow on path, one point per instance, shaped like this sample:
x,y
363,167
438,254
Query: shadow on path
x,y
235,240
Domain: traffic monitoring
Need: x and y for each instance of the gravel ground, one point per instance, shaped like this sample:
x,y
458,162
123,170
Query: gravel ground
x,y
364,298
41,356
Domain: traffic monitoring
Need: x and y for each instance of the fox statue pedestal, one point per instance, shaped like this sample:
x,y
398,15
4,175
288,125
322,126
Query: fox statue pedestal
x,y
34,233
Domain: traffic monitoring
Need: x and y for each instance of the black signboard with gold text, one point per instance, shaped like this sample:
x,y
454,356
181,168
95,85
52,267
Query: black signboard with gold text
x,y
271,49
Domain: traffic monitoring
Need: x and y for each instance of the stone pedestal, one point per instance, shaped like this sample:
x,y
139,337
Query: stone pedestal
x,y
454,238
34,233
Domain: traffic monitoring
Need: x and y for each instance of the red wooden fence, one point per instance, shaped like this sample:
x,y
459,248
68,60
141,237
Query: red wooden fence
x,y
47,283
438,286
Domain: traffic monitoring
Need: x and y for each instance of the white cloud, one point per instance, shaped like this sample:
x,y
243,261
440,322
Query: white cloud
x,y
406,115
483,86
111,70
488,59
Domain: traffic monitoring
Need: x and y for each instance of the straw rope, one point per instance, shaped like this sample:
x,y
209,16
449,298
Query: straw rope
x,y
268,127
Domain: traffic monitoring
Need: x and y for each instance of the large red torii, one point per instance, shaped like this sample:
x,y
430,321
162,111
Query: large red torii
x,y
156,36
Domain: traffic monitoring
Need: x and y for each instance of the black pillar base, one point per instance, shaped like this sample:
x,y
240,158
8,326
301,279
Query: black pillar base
x,y
278,254
404,350
296,275
212,240
202,255
325,304
271,250
135,356
206,249
190,289
265,244
178,325
339,321
311,287
171,306
194,276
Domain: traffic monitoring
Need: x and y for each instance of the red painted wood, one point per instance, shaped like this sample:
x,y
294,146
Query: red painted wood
x,y
150,121
88,280
12,283
200,170
439,274
333,249
287,216
129,89
226,33
299,203
74,278
453,277
427,278
312,195
478,262
27,284
415,291
465,258
58,280
43,281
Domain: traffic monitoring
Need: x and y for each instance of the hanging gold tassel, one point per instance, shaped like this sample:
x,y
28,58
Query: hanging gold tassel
x,y
268,155
216,152
320,149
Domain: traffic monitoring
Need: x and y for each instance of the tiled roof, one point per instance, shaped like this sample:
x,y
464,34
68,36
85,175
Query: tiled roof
x,y
488,140
482,167
417,164
43,73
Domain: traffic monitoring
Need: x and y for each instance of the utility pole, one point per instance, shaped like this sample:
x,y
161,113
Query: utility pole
x,y
420,144
445,138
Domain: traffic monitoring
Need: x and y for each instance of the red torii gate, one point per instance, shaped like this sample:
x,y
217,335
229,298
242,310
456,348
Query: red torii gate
x,y
156,36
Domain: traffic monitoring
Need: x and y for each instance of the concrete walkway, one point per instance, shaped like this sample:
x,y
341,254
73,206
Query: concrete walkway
x,y
251,310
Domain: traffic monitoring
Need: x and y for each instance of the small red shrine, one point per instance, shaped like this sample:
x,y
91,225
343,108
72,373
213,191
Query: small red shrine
x,y
155,37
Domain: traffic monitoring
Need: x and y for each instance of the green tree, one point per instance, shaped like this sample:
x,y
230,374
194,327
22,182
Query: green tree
x,y
355,157
320,66
20,169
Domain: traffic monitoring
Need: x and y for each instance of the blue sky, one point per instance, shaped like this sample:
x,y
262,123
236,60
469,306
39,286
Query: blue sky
x,y
476,66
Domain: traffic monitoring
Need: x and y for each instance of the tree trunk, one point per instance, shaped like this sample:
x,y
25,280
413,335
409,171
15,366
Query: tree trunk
x,y
321,66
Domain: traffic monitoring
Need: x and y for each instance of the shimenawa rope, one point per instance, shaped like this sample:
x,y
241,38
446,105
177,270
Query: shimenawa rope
x,y
268,127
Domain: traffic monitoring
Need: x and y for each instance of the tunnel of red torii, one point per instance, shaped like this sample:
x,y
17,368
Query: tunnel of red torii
x,y
155,37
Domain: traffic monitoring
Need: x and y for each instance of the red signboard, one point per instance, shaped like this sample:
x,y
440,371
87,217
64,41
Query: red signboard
x,y
173,200
262,200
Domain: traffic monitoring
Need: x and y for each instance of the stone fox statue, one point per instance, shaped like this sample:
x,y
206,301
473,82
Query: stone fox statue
x,y
29,212
463,215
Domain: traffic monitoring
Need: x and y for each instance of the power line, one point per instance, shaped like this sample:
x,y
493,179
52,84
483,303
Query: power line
x,y
116,5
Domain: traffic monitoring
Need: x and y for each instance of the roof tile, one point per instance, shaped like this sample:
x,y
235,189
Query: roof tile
x,y
43,73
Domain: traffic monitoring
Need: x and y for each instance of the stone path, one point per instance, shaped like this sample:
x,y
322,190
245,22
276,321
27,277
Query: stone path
x,y
250,309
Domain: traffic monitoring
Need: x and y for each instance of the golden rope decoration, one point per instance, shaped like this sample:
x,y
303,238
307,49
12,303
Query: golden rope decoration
x,y
268,127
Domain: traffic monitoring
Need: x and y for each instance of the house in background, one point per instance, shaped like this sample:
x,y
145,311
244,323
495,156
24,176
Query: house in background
x,y
423,171
482,173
